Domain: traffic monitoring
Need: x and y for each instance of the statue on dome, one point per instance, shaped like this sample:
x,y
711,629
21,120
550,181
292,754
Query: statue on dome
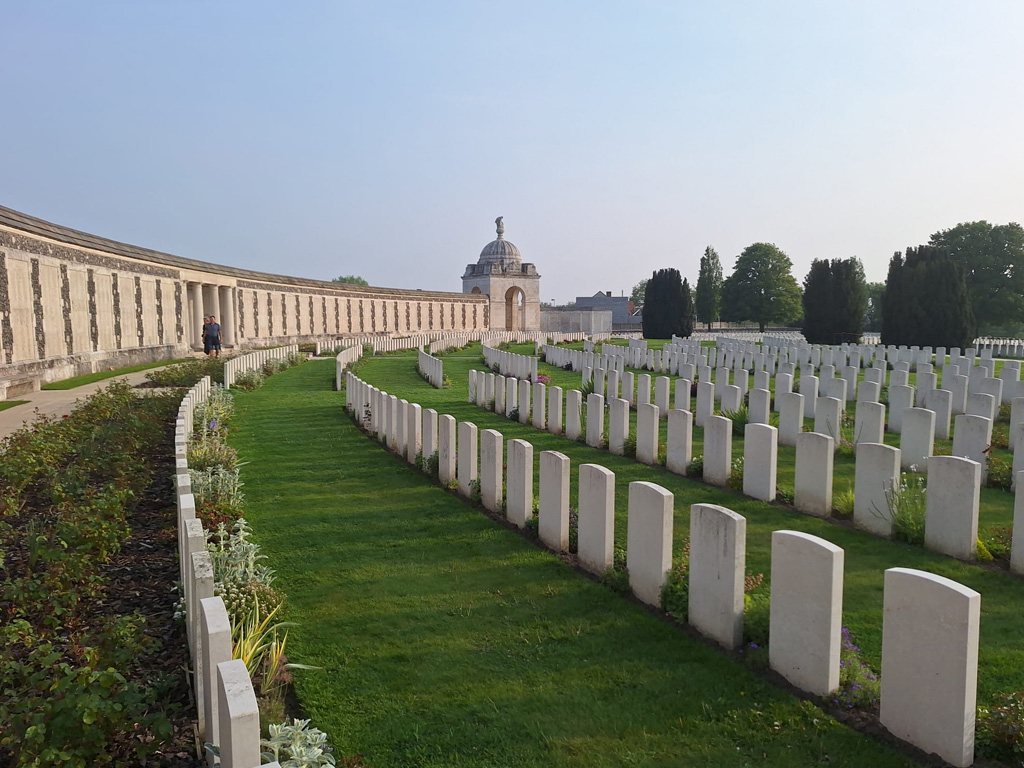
x,y
500,225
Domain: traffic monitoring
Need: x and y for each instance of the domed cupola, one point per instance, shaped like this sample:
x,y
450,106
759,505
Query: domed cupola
x,y
501,251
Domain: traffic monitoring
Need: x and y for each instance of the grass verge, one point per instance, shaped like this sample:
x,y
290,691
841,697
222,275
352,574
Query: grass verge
x,y
4,405
448,640
89,378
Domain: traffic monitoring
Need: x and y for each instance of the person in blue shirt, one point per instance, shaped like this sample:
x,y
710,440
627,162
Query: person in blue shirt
x,y
213,337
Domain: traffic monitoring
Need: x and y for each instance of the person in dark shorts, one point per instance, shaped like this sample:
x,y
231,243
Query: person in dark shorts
x,y
213,337
206,338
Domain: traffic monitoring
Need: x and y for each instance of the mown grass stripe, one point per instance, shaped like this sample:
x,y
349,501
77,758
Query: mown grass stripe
x,y
447,640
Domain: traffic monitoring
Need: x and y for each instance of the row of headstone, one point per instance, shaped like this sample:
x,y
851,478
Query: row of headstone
x,y
344,359
579,360
878,467
928,692
511,363
227,712
253,361
431,368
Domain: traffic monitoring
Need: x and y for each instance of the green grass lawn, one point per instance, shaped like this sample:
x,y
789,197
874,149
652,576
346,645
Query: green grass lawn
x,y
448,640
1001,664
5,404
89,378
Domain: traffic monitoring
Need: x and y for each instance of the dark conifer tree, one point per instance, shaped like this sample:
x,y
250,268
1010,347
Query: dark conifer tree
x,y
688,311
834,300
817,301
926,301
665,306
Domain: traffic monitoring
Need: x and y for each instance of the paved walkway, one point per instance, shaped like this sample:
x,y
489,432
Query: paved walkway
x,y
56,402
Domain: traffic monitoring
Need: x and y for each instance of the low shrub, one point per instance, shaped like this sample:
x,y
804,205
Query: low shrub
x,y
296,745
907,503
1000,473
189,373
218,489
617,577
999,542
736,474
1000,728
859,686
213,414
209,451
247,381
696,468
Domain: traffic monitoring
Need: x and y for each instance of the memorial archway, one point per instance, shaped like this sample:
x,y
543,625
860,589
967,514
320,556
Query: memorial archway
x,y
515,309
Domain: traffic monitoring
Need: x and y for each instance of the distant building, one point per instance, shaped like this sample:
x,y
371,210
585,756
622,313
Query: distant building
x,y
624,315
512,286
575,320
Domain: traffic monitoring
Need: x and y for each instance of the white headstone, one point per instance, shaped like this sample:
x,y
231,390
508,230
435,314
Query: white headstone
x,y
806,611
596,532
519,505
553,511
647,433
717,450
491,469
467,457
648,540
929,689
718,554
595,420
760,459
813,475
953,498
876,469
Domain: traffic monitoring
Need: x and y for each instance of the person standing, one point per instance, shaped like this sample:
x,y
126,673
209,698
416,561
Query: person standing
x,y
213,336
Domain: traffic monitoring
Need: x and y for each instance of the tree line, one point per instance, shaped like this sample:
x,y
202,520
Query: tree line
x,y
965,279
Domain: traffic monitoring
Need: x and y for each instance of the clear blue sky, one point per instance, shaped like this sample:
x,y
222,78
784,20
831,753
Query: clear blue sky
x,y
382,139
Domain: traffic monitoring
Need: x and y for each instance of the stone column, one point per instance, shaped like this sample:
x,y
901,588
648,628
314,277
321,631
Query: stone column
x,y
198,313
226,300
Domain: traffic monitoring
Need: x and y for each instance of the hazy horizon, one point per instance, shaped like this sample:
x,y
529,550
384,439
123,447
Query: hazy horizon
x,y
321,139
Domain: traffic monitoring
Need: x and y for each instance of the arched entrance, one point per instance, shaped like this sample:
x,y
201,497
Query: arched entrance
x,y
515,314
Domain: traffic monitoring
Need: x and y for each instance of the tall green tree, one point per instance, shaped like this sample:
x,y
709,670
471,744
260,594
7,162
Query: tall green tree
x,y
873,309
835,300
926,301
639,293
709,287
688,311
761,288
350,279
992,257
668,308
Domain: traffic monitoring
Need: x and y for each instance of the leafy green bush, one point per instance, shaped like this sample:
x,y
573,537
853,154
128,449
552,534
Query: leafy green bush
x,y
296,745
213,414
1000,473
247,381
188,374
210,450
696,467
1000,727
736,474
72,691
218,487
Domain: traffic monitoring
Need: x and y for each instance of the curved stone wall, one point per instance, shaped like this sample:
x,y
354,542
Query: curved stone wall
x,y
73,303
